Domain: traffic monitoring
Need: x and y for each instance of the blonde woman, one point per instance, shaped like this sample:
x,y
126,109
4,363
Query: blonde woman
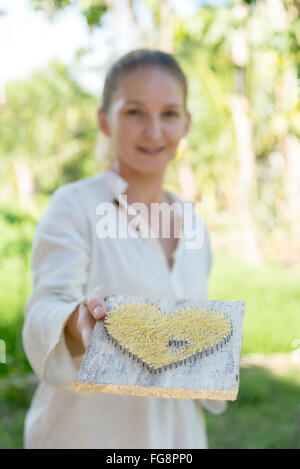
x,y
144,115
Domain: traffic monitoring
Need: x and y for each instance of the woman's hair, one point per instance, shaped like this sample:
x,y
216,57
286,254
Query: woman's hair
x,y
134,60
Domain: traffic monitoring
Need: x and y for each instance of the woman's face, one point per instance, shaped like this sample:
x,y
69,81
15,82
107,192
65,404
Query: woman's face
x,y
146,120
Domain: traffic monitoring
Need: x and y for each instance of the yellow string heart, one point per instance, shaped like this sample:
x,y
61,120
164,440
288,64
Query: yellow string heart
x,y
159,340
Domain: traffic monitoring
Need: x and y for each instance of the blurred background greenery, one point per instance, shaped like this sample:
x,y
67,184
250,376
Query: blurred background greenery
x,y
241,160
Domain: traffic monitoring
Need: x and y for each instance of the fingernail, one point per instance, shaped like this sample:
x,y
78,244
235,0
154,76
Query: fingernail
x,y
98,310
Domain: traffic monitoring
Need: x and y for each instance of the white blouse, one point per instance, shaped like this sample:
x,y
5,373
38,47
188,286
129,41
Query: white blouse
x,y
68,260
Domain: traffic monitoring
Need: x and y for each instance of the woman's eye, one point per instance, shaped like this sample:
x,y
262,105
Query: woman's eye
x,y
171,114
133,112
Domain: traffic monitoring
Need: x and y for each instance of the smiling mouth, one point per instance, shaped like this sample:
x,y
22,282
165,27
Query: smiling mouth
x,y
148,151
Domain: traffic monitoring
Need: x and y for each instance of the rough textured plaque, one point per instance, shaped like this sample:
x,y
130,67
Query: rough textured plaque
x,y
160,347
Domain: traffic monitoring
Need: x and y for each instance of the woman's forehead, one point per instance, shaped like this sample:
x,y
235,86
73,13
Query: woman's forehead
x,y
150,84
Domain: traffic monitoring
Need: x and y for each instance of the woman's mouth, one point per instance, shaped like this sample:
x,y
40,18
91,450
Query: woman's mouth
x,y
151,151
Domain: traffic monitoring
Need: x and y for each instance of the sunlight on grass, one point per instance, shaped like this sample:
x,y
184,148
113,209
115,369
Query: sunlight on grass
x,y
272,299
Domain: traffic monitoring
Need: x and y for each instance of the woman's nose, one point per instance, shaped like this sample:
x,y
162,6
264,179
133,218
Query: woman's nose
x,y
153,128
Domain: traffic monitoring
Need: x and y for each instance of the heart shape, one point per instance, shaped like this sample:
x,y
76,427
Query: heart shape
x,y
158,340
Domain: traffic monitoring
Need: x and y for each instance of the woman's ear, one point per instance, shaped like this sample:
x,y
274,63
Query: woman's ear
x,y
103,122
187,123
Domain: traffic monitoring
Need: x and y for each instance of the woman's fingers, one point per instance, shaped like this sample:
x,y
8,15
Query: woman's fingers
x,y
92,308
85,324
96,303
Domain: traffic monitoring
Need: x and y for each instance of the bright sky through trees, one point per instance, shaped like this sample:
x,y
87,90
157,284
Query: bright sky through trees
x,y
28,40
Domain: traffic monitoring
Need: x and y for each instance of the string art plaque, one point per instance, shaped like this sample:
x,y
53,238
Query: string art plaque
x,y
165,348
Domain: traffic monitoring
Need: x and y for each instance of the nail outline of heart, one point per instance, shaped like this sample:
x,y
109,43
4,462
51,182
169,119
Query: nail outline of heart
x,y
174,364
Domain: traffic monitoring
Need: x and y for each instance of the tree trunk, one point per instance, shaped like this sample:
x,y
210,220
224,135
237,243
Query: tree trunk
x,y
24,181
185,173
289,146
166,42
239,107
281,16
128,33
246,180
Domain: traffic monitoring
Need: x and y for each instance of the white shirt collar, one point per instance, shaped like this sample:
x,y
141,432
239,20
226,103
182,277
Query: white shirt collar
x,y
115,183
118,185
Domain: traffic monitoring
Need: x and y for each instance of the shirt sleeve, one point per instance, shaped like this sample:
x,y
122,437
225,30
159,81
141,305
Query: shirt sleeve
x,y
215,407
60,259
208,252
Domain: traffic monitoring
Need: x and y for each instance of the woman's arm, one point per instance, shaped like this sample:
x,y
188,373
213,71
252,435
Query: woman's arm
x,y
60,265
73,336
80,325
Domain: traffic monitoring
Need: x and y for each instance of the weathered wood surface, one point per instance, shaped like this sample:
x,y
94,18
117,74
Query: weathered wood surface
x,y
106,369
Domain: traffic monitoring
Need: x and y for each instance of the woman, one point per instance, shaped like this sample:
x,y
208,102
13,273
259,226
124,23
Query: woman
x,y
144,114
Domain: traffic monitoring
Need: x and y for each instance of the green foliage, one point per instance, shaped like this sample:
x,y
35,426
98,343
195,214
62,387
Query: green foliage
x,y
50,122
15,396
51,7
17,232
92,10
17,229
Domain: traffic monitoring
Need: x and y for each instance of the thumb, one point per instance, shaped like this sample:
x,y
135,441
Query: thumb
x,y
95,302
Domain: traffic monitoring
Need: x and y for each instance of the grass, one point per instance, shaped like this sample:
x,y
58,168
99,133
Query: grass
x,y
272,302
14,288
266,414
15,396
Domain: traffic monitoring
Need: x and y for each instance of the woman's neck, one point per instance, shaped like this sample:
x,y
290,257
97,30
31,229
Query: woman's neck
x,y
145,188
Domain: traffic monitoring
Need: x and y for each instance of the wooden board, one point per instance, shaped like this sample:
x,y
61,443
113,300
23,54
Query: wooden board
x,y
107,369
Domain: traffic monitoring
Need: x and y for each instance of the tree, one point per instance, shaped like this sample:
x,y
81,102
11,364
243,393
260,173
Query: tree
x,y
47,131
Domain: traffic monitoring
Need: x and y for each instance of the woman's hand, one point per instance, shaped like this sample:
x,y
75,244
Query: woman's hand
x,y
80,325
